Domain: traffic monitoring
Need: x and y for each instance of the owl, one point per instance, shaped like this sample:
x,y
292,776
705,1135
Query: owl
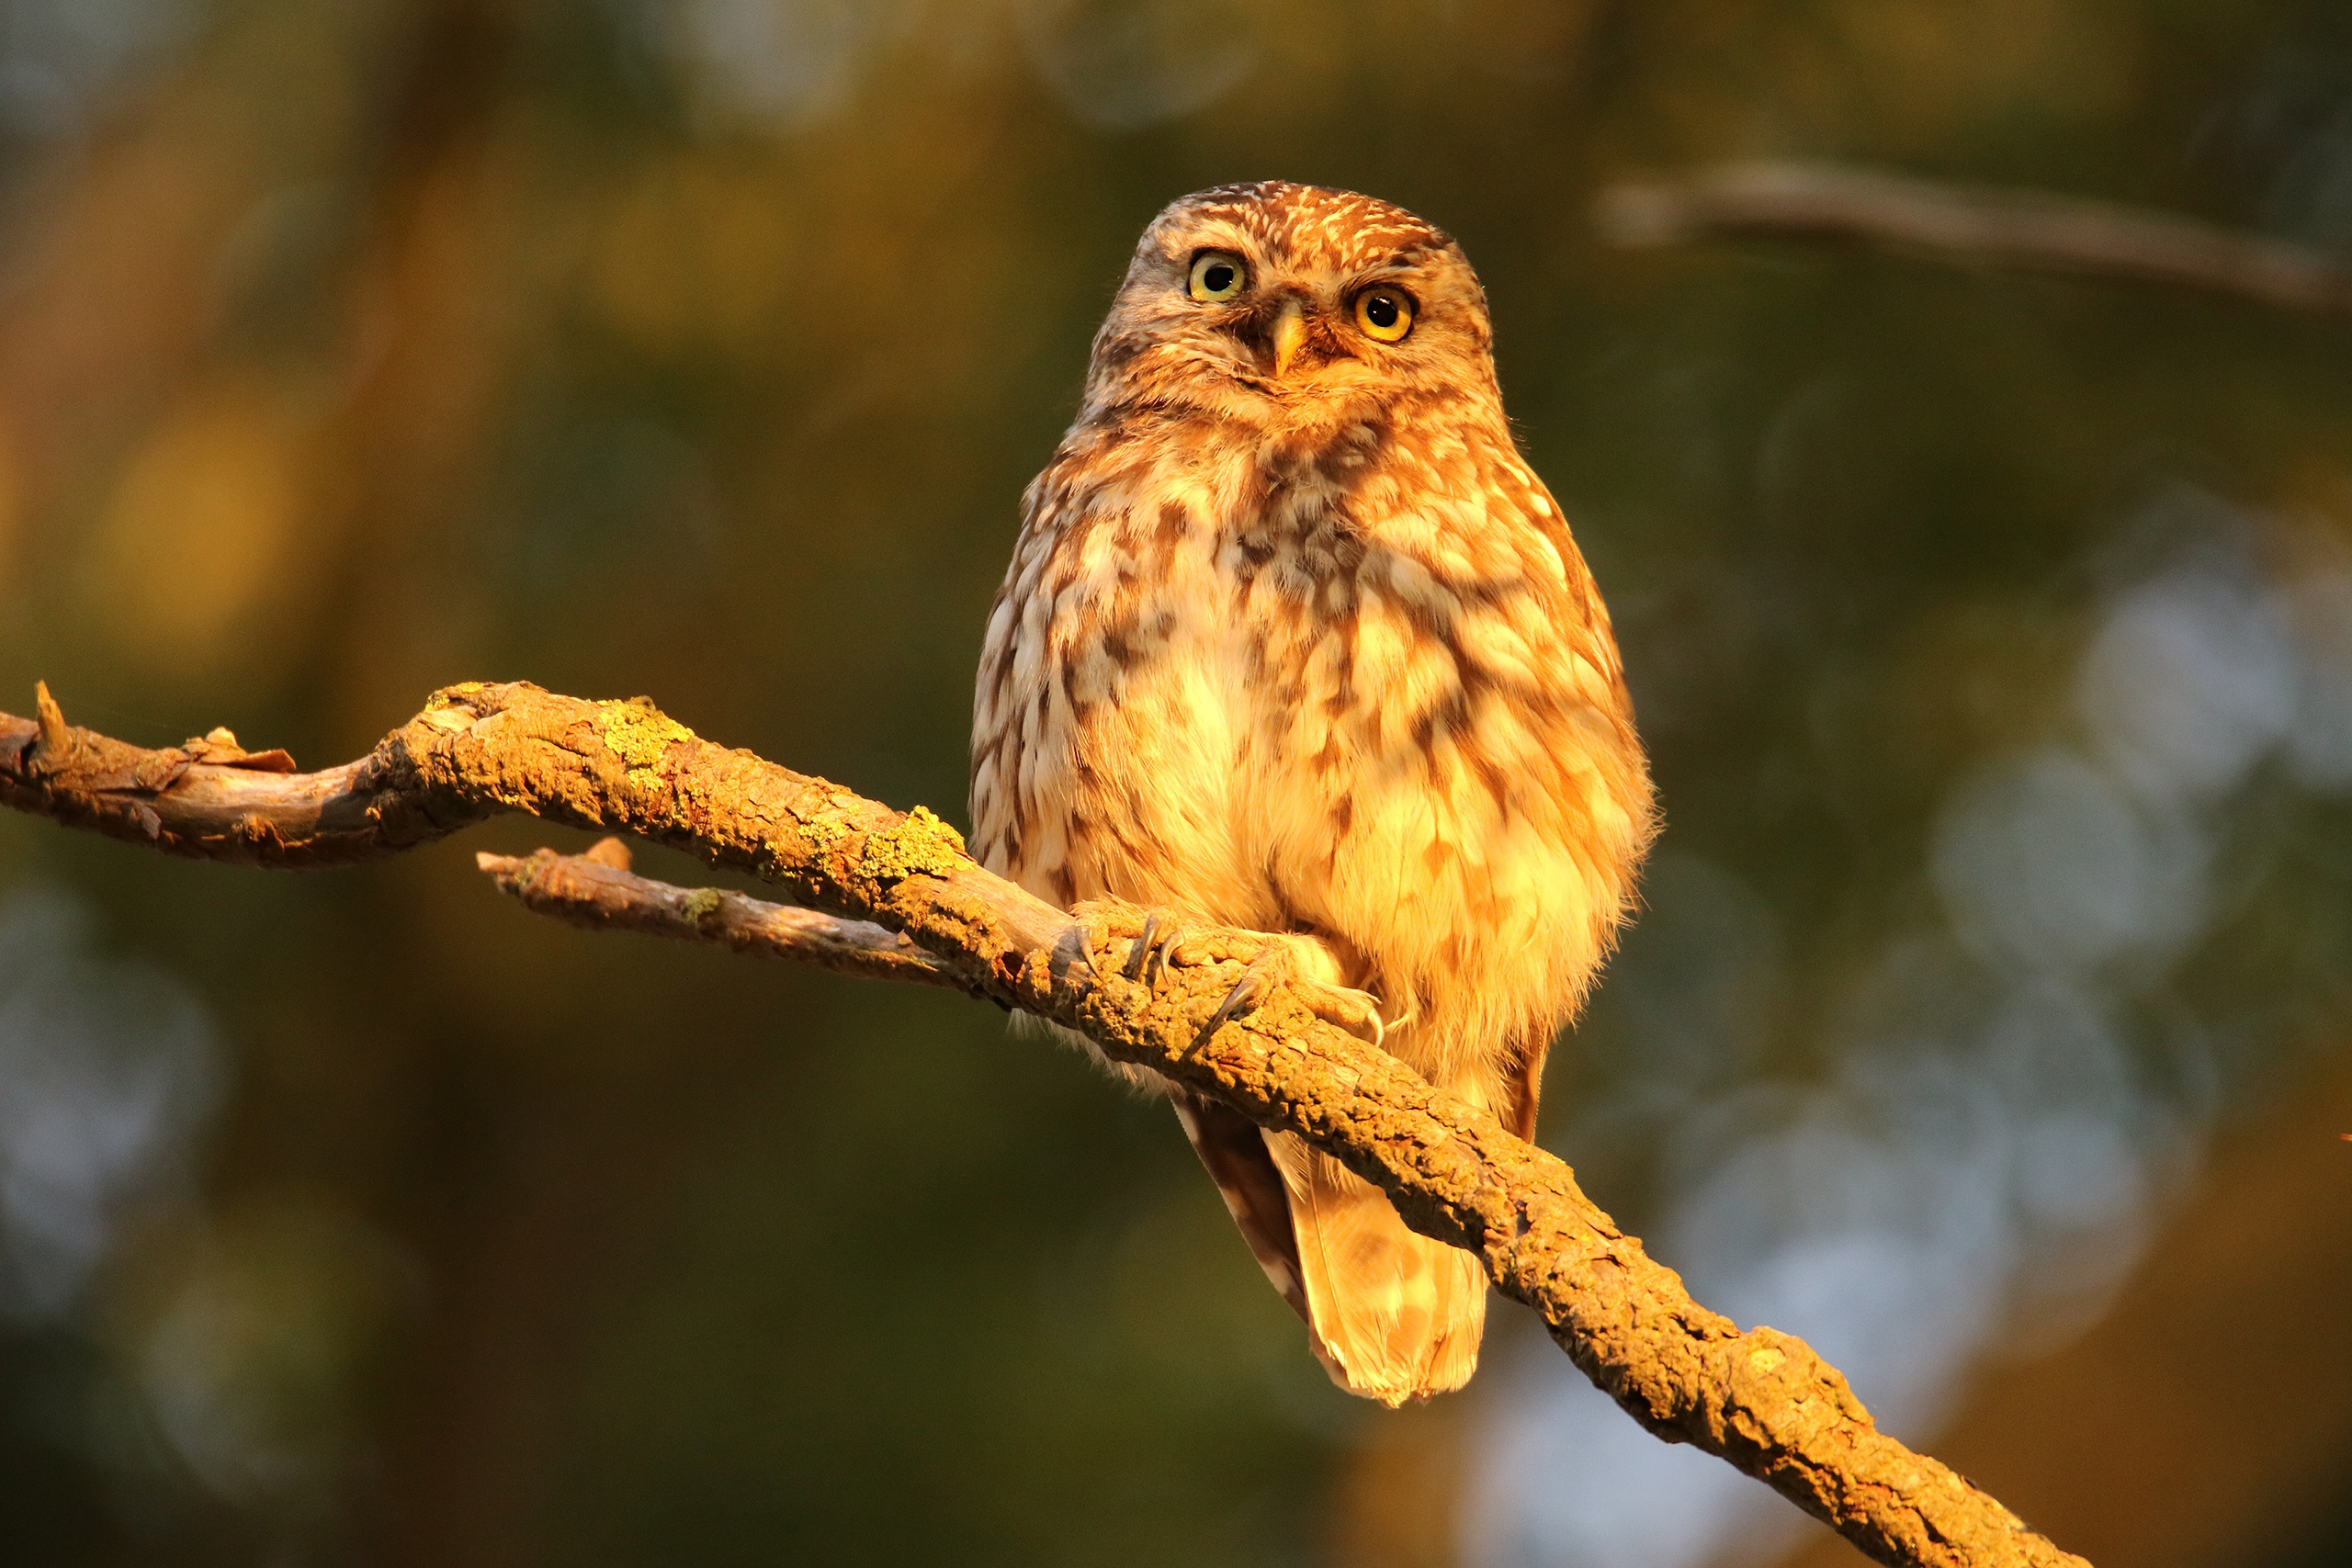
x,y
1293,639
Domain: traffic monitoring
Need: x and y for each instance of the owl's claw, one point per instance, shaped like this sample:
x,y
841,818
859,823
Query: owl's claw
x,y
1151,949
1246,993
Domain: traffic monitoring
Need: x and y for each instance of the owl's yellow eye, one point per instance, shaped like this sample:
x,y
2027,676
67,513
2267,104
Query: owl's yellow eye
x,y
1385,315
1217,275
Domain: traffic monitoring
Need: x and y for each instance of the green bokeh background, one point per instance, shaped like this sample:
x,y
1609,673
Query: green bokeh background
x,y
348,351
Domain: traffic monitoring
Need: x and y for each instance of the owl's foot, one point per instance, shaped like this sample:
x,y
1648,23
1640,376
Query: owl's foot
x,y
1356,1011
1277,961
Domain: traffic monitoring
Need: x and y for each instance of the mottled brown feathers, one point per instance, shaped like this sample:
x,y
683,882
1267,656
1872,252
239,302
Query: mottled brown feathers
x,y
1307,648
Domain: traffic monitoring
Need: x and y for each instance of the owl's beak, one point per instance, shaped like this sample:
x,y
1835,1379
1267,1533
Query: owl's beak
x,y
1290,332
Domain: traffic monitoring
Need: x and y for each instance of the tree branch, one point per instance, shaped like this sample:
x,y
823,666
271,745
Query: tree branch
x,y
597,890
1761,1400
1984,225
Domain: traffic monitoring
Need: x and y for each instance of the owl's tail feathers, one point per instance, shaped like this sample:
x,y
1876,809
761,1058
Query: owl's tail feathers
x,y
1391,1315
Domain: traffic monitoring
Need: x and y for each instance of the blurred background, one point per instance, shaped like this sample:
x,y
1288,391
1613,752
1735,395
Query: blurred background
x,y
1990,1023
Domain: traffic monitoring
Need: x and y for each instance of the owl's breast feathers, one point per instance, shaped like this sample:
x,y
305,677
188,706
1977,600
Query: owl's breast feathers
x,y
1355,681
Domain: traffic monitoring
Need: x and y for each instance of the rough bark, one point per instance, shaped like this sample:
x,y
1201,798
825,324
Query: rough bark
x,y
1761,1400
1979,225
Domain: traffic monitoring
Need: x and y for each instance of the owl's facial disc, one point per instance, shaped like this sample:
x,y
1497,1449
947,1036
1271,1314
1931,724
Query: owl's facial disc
x,y
1279,301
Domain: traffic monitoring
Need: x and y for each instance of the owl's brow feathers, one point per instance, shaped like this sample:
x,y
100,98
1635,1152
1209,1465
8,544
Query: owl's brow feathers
x,y
1342,231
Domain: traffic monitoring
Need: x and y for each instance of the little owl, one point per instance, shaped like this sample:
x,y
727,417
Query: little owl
x,y
1293,640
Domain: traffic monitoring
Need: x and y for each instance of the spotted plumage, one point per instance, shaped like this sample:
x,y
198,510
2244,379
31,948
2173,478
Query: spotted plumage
x,y
1293,639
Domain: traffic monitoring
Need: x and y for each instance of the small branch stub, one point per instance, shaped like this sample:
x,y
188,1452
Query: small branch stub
x,y
2033,231
598,891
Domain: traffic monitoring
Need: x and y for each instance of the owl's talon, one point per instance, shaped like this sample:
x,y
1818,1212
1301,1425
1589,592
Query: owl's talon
x,y
1155,948
1139,954
1245,996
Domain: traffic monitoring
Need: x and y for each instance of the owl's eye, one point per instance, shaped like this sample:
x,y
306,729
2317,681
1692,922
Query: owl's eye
x,y
1385,315
1217,275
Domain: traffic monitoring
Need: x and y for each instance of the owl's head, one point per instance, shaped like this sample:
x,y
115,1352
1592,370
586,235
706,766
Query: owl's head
x,y
1273,297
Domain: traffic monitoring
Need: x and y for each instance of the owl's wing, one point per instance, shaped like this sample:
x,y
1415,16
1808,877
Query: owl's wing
x,y
1234,1151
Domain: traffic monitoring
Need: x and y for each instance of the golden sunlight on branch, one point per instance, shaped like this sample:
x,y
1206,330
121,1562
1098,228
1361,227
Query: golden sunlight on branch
x,y
1761,1400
